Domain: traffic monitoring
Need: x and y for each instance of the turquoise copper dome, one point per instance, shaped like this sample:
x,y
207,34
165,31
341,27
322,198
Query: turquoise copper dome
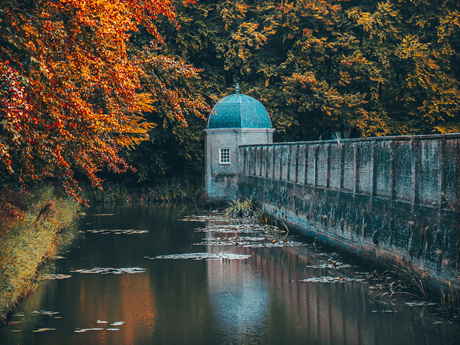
x,y
239,111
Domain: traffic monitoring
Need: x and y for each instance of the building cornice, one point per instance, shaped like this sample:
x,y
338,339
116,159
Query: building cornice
x,y
239,130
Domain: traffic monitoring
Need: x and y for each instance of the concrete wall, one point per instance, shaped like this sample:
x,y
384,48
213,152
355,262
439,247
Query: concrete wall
x,y
395,199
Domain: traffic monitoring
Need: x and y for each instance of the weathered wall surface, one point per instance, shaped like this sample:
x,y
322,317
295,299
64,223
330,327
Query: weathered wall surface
x,y
395,199
221,179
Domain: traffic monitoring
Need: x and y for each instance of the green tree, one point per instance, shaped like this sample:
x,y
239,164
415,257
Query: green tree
x,y
376,68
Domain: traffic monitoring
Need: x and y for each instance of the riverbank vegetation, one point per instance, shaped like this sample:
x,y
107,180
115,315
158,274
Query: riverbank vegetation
x,y
165,191
28,242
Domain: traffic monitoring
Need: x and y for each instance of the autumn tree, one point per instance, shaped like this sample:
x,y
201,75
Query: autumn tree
x,y
73,92
322,66
414,46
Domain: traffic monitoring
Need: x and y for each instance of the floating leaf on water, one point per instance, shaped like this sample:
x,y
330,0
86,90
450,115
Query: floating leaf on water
x,y
385,311
103,214
117,231
419,304
113,329
193,219
117,323
240,228
54,276
45,312
100,321
43,330
110,270
58,257
248,242
16,330
258,236
203,256
329,279
334,265
202,218
83,330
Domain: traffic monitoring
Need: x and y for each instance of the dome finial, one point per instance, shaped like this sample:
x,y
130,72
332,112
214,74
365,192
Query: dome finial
x,y
237,88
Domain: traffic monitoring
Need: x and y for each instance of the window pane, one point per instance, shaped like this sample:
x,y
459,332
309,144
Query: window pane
x,y
224,156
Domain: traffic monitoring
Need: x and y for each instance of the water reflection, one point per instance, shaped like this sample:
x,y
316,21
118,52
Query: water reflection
x,y
123,302
259,300
239,301
281,308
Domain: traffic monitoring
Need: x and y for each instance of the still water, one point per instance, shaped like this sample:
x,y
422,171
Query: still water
x,y
120,287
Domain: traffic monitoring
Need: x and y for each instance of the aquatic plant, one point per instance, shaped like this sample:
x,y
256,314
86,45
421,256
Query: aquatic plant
x,y
449,299
111,270
202,256
242,208
247,209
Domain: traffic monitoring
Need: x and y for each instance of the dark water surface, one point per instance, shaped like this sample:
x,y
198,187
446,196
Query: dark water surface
x,y
263,299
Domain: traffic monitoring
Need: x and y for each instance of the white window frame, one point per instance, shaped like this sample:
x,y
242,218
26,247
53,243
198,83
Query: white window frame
x,y
224,155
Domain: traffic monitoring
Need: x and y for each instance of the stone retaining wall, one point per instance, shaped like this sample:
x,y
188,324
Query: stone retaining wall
x,y
395,199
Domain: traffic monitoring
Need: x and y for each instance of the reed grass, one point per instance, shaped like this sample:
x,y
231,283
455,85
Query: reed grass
x,y
27,243
167,191
175,191
112,193
242,208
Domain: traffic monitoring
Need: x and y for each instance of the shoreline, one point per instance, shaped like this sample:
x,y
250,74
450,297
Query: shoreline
x,y
29,243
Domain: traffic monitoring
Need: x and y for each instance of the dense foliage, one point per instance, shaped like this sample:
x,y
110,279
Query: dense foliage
x,y
75,90
328,66
83,82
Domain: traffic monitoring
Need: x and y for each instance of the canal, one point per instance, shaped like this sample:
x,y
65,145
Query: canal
x,y
160,275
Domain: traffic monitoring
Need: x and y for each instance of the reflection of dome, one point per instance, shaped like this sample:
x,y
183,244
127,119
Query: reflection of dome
x,y
239,111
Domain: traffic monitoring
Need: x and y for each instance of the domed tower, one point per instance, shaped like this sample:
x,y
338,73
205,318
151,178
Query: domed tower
x,y
235,120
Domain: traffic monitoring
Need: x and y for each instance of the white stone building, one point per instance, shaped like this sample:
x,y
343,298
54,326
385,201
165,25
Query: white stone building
x,y
235,120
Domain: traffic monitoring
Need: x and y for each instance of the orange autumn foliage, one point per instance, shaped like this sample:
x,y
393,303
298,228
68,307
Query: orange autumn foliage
x,y
71,92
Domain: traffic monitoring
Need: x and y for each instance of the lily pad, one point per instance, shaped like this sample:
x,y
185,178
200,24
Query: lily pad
x,y
203,256
110,270
43,330
330,280
45,312
54,276
117,231
117,323
84,330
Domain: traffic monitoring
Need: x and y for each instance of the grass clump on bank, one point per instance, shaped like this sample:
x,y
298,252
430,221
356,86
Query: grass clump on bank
x,y
29,241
